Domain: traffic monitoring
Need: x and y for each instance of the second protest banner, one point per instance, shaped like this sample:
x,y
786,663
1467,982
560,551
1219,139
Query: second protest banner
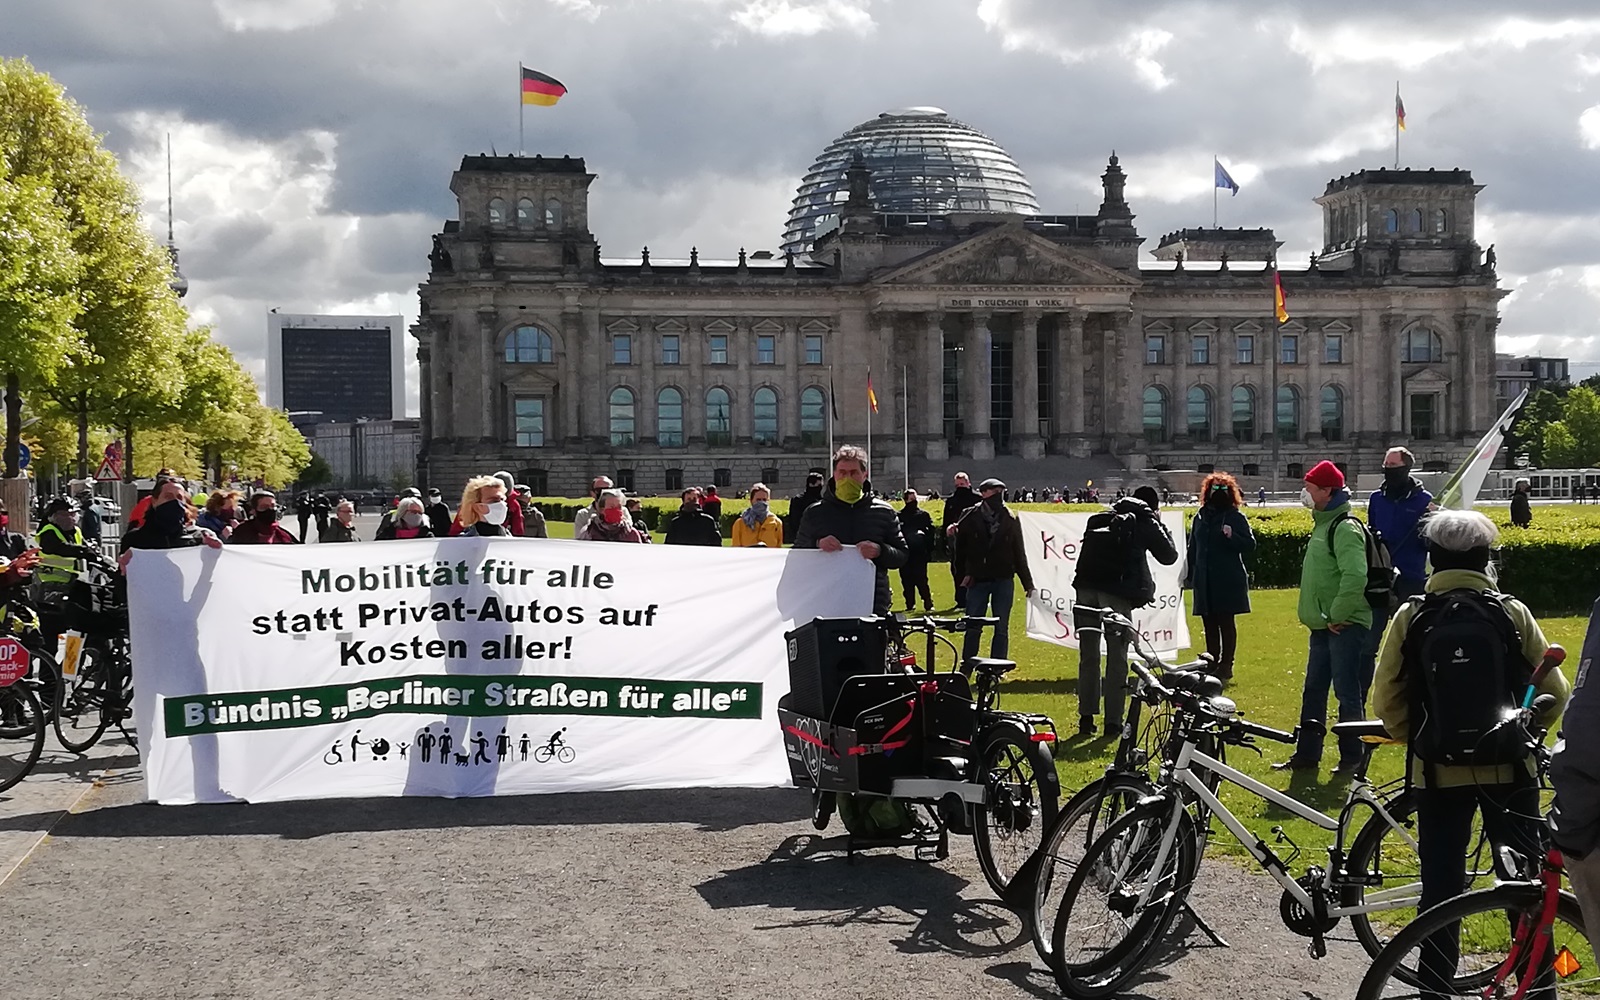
x,y
469,666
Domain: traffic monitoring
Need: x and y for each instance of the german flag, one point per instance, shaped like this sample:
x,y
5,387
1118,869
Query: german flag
x,y
1280,305
872,397
540,89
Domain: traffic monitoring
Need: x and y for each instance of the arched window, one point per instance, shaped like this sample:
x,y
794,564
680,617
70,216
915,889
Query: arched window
x,y
813,418
1441,221
1391,221
1155,414
1199,413
621,417
1332,413
1421,346
1414,221
1288,413
529,345
552,213
497,211
764,411
1244,414
719,416
669,418
525,213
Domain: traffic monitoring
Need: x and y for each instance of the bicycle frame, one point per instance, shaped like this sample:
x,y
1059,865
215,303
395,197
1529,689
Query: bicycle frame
x,y
1182,773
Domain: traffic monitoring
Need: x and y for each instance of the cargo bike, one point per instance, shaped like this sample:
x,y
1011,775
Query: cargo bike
x,y
865,726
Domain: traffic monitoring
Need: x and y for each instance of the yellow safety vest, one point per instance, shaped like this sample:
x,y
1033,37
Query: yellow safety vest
x,y
57,570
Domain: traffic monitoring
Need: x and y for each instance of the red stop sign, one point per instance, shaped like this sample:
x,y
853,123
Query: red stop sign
x,y
13,661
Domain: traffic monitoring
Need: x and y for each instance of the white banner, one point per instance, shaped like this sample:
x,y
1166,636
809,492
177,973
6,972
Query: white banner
x,y
1052,543
469,666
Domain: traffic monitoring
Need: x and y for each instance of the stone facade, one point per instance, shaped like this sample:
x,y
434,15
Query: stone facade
x,y
1041,338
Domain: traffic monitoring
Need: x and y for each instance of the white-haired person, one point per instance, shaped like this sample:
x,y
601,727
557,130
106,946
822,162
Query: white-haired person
x,y
409,520
483,509
612,523
1452,659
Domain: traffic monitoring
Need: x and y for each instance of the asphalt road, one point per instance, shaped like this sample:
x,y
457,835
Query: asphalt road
x,y
661,894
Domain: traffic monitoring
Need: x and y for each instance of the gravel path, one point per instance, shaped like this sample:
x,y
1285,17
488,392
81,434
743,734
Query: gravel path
x,y
659,894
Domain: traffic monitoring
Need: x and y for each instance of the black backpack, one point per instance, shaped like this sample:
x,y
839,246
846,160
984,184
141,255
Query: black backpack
x,y
1111,558
1465,671
1381,573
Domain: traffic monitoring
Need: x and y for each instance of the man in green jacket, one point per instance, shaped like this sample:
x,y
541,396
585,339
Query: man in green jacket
x,y
1333,605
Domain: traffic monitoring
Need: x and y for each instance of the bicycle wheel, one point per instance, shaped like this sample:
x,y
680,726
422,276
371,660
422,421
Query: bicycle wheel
x,y
1022,796
21,733
1389,862
81,701
1103,934
1488,921
1085,816
566,754
541,755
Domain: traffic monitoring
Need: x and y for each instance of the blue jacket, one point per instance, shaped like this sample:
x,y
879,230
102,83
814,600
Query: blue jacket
x,y
1397,521
1575,768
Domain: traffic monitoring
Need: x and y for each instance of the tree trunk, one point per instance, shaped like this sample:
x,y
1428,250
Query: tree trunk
x,y
13,407
127,454
83,436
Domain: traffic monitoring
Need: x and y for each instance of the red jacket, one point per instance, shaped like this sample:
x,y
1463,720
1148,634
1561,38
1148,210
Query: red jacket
x,y
250,532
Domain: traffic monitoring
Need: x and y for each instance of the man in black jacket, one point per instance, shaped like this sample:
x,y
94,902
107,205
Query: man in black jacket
x,y
961,499
691,525
1575,773
848,515
989,553
1113,572
798,505
916,527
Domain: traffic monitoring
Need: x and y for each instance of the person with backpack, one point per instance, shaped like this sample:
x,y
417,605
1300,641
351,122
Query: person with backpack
x,y
1575,775
1114,572
1219,539
1333,606
1454,663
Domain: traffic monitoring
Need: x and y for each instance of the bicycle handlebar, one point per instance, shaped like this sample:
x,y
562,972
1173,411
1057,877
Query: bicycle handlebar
x,y
1265,732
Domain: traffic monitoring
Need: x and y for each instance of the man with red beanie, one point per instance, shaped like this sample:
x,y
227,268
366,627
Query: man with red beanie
x,y
1333,605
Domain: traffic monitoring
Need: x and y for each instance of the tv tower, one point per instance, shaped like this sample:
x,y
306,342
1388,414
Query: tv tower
x,y
180,284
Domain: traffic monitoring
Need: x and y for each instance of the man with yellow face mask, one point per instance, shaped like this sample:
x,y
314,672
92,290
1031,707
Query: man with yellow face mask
x,y
847,515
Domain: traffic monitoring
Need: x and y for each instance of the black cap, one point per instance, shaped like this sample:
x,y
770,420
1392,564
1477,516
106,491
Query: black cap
x,y
991,484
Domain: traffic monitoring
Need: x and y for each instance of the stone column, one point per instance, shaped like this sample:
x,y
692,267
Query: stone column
x,y
646,343
425,391
488,390
1391,355
694,348
1311,357
438,386
792,351
742,345
1025,372
975,401
1069,384
935,447
1223,348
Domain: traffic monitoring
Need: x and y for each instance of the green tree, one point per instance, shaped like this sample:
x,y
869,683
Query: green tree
x,y
1527,433
1559,446
1581,414
316,473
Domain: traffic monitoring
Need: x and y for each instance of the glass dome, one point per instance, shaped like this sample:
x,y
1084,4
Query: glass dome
x,y
923,162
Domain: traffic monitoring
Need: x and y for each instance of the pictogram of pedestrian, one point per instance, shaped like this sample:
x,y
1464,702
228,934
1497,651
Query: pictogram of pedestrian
x,y
480,750
402,749
524,745
356,741
445,744
425,741
502,745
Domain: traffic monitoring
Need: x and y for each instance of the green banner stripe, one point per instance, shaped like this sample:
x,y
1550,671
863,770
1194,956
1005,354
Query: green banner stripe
x,y
454,694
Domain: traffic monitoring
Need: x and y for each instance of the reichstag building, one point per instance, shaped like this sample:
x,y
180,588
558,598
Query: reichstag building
x,y
999,337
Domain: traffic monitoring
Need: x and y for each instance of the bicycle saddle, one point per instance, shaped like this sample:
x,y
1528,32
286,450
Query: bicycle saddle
x,y
998,668
1366,727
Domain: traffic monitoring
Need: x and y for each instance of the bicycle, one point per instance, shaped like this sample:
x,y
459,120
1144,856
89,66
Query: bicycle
x,y
22,722
562,753
1124,893
95,689
1126,781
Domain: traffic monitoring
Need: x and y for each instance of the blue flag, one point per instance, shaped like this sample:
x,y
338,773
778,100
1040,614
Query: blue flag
x,y
1223,180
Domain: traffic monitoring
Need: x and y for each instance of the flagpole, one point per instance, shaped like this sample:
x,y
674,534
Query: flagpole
x,y
905,419
869,420
522,112
833,405
1214,190
1397,125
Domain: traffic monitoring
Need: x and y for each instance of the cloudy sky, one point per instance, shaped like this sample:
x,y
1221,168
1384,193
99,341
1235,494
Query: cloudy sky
x,y
313,140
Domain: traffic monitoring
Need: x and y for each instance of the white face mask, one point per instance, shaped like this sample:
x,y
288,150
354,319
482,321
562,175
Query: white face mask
x,y
411,519
1306,501
496,513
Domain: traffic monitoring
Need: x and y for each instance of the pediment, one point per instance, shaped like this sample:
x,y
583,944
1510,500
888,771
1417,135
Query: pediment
x,y
1337,326
1159,326
672,326
719,326
767,326
1294,326
1204,326
622,326
1006,255
1425,380
1247,327
529,379
815,326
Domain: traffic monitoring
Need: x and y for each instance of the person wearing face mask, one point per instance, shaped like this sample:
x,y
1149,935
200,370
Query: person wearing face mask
x,y
635,511
167,524
439,516
262,528
343,526
961,499
409,521
580,521
1219,539
483,509
989,553
221,513
1395,511
1333,606
691,525
847,515
61,543
612,523
533,522
916,527
756,524
12,543
798,505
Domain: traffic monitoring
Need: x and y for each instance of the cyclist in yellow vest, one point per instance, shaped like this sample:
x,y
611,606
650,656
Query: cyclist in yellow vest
x,y
62,544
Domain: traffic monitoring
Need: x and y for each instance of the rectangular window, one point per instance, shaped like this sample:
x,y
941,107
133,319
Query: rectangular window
x,y
1422,428
813,348
1200,349
719,349
624,480
1155,349
1289,349
530,421
1245,349
1333,348
722,478
766,349
622,349
673,483
769,475
669,349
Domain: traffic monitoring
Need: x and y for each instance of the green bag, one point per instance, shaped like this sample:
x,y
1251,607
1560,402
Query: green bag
x,y
876,817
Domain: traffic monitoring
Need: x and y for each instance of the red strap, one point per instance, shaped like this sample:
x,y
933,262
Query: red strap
x,y
805,737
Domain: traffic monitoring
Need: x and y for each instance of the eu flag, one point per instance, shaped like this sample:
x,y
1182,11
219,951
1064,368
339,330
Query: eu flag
x,y
1223,180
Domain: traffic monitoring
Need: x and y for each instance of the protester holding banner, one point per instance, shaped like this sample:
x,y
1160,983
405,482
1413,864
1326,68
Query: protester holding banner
x,y
612,524
916,527
756,524
343,526
409,521
580,520
262,528
691,525
168,524
989,553
847,514
1219,539
483,510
